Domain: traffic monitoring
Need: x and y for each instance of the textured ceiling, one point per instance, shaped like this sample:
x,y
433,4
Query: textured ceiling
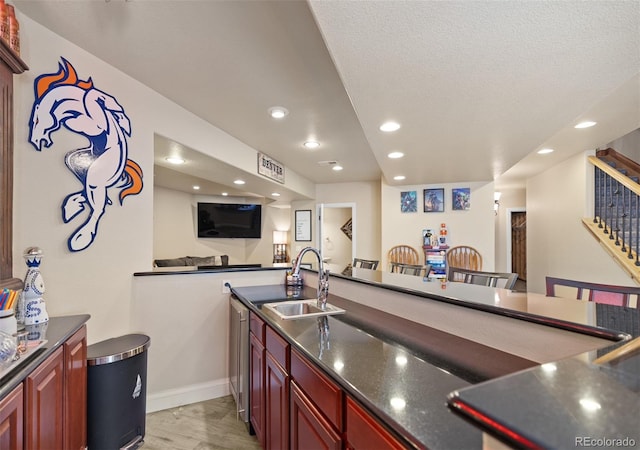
x,y
478,86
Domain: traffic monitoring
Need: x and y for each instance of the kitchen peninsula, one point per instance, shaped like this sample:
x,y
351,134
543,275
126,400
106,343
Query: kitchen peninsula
x,y
399,353
453,337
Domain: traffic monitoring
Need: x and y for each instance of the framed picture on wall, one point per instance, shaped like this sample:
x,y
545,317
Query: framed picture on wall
x,y
434,200
408,202
461,199
303,225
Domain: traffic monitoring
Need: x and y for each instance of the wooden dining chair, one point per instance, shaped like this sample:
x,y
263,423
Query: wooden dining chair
x,y
404,254
365,263
594,292
505,280
464,257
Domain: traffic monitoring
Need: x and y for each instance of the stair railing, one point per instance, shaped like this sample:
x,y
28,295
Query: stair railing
x,y
615,221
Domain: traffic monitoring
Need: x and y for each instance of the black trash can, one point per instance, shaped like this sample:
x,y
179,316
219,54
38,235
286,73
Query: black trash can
x,y
117,392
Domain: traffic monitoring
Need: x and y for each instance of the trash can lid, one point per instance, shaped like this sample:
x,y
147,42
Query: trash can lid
x,y
117,349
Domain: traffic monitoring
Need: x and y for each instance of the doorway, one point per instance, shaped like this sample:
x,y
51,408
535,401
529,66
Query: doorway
x,y
517,243
336,235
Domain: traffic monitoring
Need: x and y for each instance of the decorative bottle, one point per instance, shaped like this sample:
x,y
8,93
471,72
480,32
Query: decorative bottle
x,y
14,29
32,308
4,22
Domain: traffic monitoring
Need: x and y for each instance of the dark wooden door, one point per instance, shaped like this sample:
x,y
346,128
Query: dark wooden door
x,y
519,244
11,417
75,391
276,404
43,404
256,388
309,429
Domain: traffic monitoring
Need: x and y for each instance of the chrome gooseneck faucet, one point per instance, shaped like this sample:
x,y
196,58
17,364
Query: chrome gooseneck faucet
x,y
323,275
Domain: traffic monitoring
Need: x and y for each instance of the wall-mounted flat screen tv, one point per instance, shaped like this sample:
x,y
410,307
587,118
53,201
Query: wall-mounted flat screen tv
x,y
229,220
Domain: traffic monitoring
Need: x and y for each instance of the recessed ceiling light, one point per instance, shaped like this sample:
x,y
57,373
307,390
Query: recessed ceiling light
x,y
224,194
389,126
395,155
337,167
399,177
278,112
196,188
238,182
585,124
311,144
175,160
275,194
545,151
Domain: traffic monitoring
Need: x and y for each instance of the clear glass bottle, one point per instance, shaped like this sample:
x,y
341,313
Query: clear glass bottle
x,y
14,29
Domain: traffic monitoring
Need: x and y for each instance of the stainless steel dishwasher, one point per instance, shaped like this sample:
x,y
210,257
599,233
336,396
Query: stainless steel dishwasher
x,y
239,357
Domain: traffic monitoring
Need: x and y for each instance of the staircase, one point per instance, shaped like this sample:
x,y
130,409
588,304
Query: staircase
x,y
616,218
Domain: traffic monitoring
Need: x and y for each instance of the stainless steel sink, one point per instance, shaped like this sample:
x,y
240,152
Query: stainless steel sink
x,y
300,308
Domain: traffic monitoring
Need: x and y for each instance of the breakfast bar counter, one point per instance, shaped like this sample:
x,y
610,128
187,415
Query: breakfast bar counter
x,y
404,367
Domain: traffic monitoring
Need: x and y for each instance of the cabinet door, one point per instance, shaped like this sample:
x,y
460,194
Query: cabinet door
x,y
75,391
44,404
11,416
364,432
309,429
256,388
277,405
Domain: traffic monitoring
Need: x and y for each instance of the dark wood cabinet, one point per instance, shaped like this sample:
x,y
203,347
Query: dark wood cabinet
x,y
44,404
276,391
256,387
11,420
10,64
75,391
364,432
309,428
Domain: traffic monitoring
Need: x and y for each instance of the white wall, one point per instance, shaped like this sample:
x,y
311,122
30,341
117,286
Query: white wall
x,y
368,213
557,243
98,280
473,227
336,245
175,234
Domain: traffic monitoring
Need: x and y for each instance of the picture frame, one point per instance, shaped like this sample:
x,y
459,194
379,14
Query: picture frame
x,y
461,199
303,225
408,201
433,200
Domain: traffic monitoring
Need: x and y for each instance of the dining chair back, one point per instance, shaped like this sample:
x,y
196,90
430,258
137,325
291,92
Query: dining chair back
x,y
505,280
594,292
414,269
464,257
365,263
404,254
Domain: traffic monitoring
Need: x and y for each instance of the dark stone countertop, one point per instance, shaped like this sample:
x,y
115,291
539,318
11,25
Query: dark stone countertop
x,y
538,407
58,330
407,393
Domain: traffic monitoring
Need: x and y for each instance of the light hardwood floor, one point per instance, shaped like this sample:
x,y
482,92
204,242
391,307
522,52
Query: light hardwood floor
x,y
206,425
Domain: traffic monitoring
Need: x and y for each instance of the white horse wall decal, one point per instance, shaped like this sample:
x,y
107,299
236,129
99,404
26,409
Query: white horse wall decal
x,y
61,99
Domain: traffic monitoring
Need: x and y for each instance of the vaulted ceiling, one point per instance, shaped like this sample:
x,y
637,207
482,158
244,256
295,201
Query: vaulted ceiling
x,y
477,86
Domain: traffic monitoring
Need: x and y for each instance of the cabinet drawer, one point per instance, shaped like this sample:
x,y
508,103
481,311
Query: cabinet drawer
x,y
364,432
324,393
278,347
256,326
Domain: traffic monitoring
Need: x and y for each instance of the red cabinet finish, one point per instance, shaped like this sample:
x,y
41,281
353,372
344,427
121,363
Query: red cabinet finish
x,y
276,393
75,391
256,388
44,404
11,420
364,432
309,428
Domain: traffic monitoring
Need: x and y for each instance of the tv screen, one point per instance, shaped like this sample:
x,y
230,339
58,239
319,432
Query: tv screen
x,y
229,220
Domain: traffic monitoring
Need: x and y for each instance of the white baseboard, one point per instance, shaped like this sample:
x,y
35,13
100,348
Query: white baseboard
x,y
186,395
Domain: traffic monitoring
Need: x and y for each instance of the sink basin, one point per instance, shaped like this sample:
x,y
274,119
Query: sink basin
x,y
300,308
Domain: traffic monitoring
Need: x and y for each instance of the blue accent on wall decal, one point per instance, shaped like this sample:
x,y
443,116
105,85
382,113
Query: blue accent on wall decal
x,y
62,99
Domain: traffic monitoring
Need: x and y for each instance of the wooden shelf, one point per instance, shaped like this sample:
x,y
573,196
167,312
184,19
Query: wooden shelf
x,y
12,59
